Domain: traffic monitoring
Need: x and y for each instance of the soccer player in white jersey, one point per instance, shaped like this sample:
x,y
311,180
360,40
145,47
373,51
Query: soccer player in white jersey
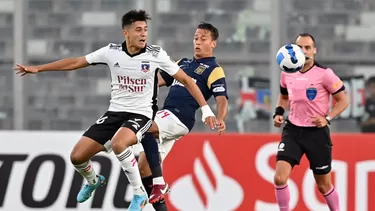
x,y
134,66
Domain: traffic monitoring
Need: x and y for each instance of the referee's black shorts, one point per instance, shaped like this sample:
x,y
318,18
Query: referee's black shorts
x,y
312,141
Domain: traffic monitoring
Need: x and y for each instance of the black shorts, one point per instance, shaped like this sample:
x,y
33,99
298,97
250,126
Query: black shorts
x,y
312,141
107,125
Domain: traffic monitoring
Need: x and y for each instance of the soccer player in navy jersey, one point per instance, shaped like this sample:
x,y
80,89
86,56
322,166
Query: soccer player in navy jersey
x,y
177,117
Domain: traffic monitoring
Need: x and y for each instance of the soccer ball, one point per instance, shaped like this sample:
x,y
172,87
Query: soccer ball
x,y
290,58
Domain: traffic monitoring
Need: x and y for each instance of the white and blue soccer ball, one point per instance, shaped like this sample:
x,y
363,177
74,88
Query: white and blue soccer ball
x,y
290,58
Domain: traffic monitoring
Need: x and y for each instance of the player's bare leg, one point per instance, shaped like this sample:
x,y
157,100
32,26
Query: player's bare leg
x,y
283,170
80,157
121,145
326,187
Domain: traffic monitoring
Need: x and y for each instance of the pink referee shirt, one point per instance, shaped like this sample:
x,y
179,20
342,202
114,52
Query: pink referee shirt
x,y
309,93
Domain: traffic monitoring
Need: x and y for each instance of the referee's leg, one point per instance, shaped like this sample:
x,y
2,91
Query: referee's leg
x,y
318,150
289,153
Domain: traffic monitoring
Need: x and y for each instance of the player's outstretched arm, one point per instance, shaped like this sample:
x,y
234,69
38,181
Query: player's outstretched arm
x,y
61,65
190,85
171,68
99,56
207,115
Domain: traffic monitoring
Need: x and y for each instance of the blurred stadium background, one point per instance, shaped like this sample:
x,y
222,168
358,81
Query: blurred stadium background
x,y
251,31
54,29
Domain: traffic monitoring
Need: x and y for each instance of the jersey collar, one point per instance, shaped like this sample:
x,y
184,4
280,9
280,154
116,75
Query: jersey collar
x,y
309,68
205,59
143,50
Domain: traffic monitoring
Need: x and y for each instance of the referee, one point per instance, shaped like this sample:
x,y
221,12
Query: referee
x,y
307,94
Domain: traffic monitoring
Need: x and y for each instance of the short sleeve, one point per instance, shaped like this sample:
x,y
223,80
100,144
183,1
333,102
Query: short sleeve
x,y
216,82
331,82
165,63
98,56
282,80
283,88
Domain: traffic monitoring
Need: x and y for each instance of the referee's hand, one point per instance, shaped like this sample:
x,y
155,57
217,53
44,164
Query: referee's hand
x,y
278,121
320,121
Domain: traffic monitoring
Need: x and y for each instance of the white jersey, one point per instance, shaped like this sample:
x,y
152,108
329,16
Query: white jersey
x,y
134,77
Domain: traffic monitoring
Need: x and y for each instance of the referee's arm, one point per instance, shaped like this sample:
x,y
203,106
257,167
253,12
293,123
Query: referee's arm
x,y
335,86
341,103
283,100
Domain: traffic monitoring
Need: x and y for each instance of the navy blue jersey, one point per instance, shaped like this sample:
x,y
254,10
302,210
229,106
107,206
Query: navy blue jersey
x,y
209,77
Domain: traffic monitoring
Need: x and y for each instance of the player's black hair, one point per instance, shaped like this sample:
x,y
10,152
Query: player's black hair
x,y
370,81
307,35
133,16
211,28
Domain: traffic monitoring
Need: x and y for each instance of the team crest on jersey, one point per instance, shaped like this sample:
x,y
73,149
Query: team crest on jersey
x,y
145,66
201,68
311,93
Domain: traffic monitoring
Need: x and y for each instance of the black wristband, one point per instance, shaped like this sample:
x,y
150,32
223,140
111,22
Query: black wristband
x,y
278,111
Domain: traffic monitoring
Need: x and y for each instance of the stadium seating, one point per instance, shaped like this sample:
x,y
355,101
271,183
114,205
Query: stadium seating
x,y
73,100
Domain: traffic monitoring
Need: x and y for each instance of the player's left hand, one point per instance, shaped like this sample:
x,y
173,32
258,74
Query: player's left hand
x,y
210,121
320,121
221,126
23,70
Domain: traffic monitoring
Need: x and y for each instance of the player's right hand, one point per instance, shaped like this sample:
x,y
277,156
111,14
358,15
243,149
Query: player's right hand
x,y
23,70
278,121
221,126
210,121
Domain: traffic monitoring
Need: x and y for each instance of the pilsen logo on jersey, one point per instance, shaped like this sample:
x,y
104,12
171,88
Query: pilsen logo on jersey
x,y
311,93
131,84
201,68
145,66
